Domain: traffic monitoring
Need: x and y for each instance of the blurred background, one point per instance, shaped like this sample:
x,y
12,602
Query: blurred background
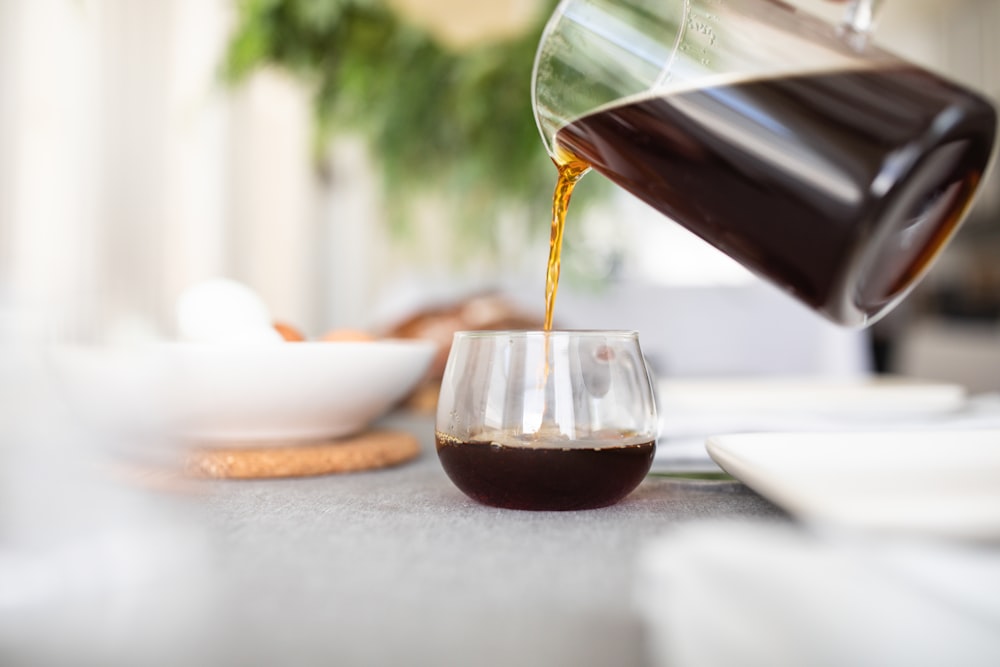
x,y
359,163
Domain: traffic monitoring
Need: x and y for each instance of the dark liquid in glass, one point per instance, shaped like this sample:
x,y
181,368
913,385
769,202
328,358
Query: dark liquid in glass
x,y
839,187
544,478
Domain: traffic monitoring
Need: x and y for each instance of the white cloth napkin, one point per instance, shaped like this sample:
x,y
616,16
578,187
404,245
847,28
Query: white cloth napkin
x,y
760,594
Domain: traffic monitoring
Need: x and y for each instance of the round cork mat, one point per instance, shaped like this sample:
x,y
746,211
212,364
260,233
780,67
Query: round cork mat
x,y
374,449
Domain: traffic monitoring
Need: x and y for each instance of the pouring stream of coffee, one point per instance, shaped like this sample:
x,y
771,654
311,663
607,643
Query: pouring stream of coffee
x,y
570,171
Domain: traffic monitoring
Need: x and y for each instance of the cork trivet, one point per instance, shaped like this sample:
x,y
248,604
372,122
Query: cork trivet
x,y
374,449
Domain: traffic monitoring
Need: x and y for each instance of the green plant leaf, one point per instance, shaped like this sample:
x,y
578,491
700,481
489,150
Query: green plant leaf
x,y
457,123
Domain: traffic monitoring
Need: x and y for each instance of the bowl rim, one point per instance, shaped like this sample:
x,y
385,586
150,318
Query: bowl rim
x,y
259,346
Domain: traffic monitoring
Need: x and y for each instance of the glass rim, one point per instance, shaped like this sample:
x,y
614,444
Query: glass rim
x,y
541,333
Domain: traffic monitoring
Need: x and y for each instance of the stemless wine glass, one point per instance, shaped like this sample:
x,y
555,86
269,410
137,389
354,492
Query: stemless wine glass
x,y
535,420
831,167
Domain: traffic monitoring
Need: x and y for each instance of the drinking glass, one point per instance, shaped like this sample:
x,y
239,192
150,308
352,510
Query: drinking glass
x,y
830,167
535,420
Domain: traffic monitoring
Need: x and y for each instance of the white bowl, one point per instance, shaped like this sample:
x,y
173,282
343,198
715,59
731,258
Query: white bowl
x,y
290,391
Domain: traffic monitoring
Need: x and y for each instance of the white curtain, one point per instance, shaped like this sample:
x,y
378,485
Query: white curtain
x,y
128,171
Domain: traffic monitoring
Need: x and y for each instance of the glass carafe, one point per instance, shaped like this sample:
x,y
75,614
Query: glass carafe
x,y
830,167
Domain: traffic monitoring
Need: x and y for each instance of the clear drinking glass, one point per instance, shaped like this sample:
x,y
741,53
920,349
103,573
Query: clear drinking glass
x,y
821,162
559,420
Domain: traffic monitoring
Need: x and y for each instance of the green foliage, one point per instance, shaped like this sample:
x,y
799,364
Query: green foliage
x,y
454,122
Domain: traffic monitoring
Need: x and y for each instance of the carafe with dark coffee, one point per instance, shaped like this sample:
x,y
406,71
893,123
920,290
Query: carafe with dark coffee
x,y
822,163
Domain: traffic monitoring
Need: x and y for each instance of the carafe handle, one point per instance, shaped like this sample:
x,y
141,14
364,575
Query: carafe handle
x,y
860,15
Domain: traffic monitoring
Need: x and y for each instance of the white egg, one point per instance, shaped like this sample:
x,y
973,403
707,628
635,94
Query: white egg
x,y
224,311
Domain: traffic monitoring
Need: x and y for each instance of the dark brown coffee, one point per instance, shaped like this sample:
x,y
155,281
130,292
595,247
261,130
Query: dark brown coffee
x,y
840,187
532,477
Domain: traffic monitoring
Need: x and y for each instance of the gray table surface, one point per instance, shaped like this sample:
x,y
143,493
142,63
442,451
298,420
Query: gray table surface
x,y
397,567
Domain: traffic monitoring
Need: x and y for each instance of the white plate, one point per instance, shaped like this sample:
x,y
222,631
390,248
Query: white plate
x,y
253,394
851,397
941,483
